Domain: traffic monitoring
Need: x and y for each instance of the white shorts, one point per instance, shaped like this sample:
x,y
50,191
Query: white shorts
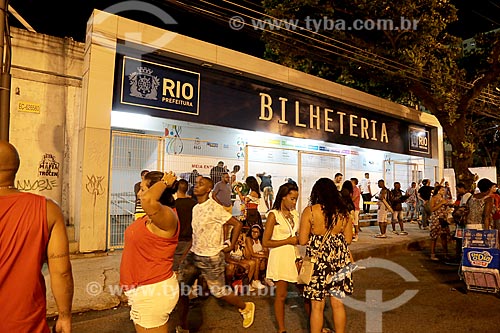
x,y
382,215
151,304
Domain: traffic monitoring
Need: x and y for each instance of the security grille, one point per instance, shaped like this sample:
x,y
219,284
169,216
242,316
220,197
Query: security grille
x,y
313,166
130,154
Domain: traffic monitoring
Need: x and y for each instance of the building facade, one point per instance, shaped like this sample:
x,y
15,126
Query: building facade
x,y
160,100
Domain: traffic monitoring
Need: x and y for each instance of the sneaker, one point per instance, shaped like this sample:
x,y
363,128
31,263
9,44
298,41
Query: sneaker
x,y
269,282
257,284
248,314
403,233
179,329
381,236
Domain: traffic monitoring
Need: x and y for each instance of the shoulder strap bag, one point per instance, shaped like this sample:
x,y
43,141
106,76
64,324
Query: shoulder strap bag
x,y
307,267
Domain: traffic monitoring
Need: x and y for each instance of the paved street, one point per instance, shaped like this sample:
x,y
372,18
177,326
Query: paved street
x,y
418,295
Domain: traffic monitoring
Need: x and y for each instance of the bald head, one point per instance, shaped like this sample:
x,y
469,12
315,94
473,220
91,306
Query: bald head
x,y
9,160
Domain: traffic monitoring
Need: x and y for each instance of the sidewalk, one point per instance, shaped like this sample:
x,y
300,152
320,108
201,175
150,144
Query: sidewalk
x,y
97,276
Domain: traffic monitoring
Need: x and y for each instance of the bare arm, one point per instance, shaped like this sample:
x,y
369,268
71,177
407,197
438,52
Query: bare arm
x,y
242,197
248,251
348,229
214,195
162,216
488,208
305,226
61,276
268,232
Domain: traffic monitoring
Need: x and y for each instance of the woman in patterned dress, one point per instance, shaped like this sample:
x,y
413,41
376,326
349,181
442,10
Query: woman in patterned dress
x,y
280,236
327,212
439,227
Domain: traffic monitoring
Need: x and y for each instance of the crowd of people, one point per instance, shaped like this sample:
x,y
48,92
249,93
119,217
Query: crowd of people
x,y
434,209
196,241
180,239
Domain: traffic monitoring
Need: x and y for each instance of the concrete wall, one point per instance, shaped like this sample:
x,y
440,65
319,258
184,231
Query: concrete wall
x,y
46,80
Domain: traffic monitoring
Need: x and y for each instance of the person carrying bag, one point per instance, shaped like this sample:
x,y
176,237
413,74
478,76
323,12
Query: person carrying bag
x,y
307,263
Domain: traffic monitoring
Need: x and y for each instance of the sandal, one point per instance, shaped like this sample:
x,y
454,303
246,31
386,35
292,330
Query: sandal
x,y
326,330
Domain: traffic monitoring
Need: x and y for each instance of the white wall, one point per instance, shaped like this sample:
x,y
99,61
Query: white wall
x,y
46,73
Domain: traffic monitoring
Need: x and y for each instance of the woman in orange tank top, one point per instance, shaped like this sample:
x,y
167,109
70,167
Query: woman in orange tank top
x,y
146,273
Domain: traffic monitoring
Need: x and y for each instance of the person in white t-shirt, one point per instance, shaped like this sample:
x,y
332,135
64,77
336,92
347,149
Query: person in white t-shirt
x,y
210,223
366,192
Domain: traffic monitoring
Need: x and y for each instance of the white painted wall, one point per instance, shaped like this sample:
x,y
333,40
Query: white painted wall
x,y
46,73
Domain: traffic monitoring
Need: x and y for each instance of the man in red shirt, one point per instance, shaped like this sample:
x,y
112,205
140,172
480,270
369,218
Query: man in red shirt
x,y
32,230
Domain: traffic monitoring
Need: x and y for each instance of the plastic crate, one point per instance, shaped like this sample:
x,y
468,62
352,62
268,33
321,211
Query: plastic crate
x,y
481,279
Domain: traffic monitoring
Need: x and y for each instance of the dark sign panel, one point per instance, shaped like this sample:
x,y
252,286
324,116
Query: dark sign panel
x,y
157,86
235,101
419,140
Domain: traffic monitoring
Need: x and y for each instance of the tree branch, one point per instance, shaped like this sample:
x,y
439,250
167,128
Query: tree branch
x,y
487,78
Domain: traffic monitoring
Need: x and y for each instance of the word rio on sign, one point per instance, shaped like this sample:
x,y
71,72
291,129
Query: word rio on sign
x,y
419,140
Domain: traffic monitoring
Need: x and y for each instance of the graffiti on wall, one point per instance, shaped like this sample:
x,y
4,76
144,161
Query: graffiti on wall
x,y
39,185
48,166
94,186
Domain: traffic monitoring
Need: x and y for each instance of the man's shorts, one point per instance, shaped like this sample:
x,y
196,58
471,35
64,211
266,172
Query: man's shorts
x,y
382,215
212,268
182,247
398,215
268,193
151,304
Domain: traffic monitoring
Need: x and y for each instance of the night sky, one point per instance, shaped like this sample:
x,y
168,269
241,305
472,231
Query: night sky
x,y
44,17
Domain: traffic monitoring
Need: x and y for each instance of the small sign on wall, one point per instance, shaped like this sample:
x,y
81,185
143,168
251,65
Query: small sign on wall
x,y
419,140
28,107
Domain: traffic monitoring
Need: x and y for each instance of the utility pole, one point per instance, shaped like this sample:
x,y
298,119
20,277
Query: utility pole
x,y
5,57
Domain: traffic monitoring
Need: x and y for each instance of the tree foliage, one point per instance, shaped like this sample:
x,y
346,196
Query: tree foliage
x,y
422,65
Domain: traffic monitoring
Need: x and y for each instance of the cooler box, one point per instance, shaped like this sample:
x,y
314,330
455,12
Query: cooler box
x,y
481,258
480,238
481,279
